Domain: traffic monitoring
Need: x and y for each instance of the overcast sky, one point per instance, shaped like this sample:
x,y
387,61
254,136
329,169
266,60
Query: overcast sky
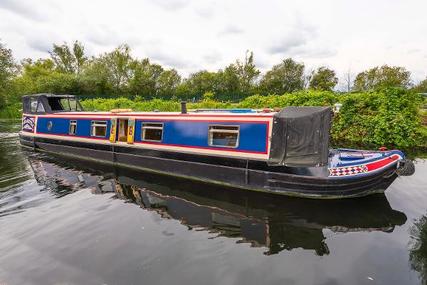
x,y
190,35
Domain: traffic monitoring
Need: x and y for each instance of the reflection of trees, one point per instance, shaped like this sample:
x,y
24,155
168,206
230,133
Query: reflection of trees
x,y
418,251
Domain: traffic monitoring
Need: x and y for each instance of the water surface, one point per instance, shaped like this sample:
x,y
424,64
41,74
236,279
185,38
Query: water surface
x,y
74,222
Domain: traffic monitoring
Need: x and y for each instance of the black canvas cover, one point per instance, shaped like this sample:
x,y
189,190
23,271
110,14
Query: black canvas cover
x,y
300,137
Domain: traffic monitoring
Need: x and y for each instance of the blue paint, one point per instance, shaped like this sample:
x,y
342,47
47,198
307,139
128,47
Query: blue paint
x,y
252,136
60,126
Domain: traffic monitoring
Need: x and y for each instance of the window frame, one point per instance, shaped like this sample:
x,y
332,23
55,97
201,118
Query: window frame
x,y
211,131
72,122
143,128
96,123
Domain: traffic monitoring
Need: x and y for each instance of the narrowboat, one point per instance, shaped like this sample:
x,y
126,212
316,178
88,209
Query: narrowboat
x,y
282,152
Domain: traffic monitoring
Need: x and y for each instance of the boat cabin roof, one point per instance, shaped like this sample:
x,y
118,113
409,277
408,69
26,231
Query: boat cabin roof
x,y
46,103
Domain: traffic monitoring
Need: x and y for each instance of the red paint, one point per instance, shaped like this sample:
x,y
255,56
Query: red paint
x,y
381,163
73,136
202,121
163,115
266,137
76,118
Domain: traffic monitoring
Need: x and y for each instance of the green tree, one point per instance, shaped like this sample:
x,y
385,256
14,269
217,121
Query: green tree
x,y
323,79
68,60
421,87
96,78
42,76
286,77
120,64
201,82
7,72
110,73
238,79
247,73
167,84
382,77
145,78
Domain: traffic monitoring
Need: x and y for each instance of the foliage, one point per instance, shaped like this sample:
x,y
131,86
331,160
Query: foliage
x,y
389,117
69,60
7,71
285,77
323,79
299,98
382,77
418,251
421,87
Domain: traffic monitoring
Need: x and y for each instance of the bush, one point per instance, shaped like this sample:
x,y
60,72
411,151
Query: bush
x,y
388,117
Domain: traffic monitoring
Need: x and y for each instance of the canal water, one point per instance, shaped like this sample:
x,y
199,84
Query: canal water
x,y
74,222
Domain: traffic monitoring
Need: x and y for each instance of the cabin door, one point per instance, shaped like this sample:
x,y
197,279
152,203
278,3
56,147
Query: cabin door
x,y
125,130
122,130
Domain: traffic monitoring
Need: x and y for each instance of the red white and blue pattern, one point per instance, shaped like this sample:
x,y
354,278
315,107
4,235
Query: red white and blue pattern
x,y
28,123
348,170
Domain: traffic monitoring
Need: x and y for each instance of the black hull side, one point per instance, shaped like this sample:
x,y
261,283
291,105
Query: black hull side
x,y
231,172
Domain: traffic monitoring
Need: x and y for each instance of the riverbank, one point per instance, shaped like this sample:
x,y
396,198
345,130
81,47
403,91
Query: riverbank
x,y
391,117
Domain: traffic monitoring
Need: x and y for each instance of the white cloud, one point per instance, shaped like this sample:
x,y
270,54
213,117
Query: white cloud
x,y
190,35
231,30
171,5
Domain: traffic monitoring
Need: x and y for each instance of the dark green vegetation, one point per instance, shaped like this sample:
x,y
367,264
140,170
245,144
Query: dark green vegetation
x,y
380,107
418,252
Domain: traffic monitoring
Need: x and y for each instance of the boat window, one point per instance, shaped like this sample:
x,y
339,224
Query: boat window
x,y
152,132
40,108
64,104
225,136
73,127
98,128
74,104
33,105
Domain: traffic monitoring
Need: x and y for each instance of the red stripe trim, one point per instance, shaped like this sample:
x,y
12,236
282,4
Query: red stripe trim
x,y
75,118
164,115
266,137
204,121
381,163
73,136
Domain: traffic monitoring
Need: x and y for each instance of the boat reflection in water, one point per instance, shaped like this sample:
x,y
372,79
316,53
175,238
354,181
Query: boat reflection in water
x,y
277,223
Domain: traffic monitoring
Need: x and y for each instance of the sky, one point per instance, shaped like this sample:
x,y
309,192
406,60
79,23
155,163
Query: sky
x,y
190,35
